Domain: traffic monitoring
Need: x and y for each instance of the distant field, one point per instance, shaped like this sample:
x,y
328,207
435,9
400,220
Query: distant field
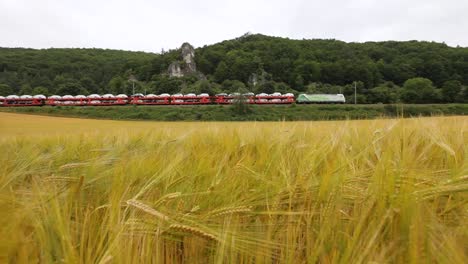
x,y
254,113
99,191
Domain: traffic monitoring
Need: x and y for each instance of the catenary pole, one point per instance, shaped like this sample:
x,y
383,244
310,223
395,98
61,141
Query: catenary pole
x,y
355,93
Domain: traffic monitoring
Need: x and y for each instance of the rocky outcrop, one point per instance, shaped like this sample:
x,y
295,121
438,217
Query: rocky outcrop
x,y
186,66
260,77
188,55
253,79
175,70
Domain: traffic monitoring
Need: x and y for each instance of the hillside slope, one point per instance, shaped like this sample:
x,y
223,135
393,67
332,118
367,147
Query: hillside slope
x,y
252,62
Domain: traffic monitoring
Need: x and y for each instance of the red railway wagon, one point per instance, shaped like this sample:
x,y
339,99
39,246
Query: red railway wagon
x,y
190,100
86,101
280,99
17,102
268,99
171,100
152,100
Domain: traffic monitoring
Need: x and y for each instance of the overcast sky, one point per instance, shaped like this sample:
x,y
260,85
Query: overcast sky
x,y
144,25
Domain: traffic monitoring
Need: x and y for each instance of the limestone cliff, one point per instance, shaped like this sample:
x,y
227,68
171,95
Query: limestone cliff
x,y
186,66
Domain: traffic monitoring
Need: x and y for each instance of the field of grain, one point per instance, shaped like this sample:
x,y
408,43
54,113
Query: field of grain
x,y
94,191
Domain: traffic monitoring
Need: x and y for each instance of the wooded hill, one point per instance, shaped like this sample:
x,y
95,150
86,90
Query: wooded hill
x,y
386,72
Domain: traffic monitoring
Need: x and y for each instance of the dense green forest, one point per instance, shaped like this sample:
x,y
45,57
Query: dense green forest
x,y
384,72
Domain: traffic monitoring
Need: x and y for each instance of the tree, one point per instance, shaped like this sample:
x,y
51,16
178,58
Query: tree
x,y
450,91
165,84
118,85
201,86
222,72
89,85
232,86
299,84
281,69
464,97
209,58
332,72
309,70
283,88
382,94
5,89
72,88
41,90
242,65
434,69
26,89
266,87
419,90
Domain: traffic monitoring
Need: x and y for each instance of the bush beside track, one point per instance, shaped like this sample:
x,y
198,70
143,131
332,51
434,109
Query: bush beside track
x,y
250,113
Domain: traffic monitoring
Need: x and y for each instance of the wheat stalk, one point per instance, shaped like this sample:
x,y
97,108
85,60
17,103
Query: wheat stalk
x,y
146,208
230,210
193,230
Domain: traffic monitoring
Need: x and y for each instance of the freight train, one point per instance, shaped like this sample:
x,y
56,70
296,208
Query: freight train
x,y
165,99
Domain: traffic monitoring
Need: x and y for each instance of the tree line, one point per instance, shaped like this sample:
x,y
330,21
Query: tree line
x,y
382,72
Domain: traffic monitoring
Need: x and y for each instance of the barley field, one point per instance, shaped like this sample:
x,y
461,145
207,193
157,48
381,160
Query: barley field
x,y
96,191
